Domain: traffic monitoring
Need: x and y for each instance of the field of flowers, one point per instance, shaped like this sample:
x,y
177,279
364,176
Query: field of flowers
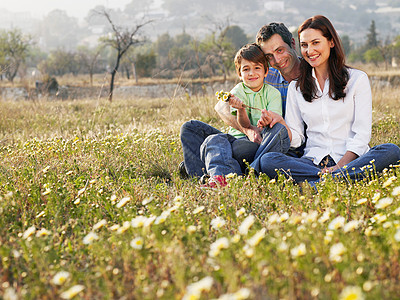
x,y
92,207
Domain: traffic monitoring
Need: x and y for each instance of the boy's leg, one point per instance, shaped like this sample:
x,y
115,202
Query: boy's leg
x,y
378,158
193,133
275,139
216,153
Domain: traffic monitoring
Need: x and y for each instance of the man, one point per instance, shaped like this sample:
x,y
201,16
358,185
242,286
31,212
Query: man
x,y
278,45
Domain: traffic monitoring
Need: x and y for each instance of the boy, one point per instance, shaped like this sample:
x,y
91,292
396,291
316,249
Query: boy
x,y
248,99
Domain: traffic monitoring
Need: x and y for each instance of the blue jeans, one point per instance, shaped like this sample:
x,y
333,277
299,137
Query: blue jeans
x,y
193,133
302,169
217,150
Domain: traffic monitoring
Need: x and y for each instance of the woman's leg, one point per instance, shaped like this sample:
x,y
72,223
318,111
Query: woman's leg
x,y
300,169
376,159
216,153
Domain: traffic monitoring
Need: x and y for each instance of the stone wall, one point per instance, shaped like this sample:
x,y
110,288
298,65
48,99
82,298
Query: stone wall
x,y
148,91
120,92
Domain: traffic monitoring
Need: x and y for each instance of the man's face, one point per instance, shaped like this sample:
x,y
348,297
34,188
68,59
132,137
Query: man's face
x,y
279,55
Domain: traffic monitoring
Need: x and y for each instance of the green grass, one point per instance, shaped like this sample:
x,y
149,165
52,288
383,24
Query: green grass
x,y
65,166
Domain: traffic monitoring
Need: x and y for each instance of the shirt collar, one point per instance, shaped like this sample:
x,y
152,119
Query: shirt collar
x,y
248,90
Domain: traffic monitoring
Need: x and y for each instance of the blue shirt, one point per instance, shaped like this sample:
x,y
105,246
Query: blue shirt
x,y
275,79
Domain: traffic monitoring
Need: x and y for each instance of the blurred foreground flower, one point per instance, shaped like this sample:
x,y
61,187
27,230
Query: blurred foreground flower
x,y
336,223
194,290
72,292
246,224
217,246
60,277
198,209
241,294
99,224
336,252
123,202
90,237
217,223
30,231
397,235
351,293
10,294
383,203
256,238
137,243
350,226
396,191
300,250
43,232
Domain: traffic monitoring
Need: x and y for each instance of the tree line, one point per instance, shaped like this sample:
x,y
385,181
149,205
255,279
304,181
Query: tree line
x,y
125,51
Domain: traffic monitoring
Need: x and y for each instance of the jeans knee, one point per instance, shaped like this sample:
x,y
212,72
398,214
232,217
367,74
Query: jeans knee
x,y
394,150
189,126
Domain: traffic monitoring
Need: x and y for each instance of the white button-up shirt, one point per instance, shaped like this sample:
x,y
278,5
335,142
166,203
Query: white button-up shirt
x,y
333,126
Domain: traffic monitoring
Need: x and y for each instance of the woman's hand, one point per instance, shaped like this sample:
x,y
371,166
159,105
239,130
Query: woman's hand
x,y
330,169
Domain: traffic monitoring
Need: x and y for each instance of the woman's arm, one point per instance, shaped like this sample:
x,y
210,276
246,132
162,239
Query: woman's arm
x,y
347,158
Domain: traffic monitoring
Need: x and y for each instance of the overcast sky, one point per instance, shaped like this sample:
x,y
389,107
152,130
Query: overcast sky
x,y
74,8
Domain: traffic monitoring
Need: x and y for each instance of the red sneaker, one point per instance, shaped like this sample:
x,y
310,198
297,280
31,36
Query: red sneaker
x,y
216,182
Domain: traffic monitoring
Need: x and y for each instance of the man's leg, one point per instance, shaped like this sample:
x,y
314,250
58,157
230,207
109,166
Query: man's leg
x,y
275,139
216,152
244,150
193,133
377,158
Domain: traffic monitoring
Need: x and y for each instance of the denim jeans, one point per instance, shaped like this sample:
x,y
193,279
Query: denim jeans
x,y
217,150
302,169
275,139
193,133
216,153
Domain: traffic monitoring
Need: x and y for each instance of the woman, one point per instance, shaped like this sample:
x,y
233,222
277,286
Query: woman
x,y
334,102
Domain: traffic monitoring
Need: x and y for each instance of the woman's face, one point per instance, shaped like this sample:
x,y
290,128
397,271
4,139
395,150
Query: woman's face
x,y
315,48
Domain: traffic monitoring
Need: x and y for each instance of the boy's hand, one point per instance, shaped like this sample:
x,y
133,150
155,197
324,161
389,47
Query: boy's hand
x,y
253,133
235,102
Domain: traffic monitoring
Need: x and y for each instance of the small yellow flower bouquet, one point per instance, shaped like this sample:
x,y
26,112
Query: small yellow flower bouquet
x,y
223,96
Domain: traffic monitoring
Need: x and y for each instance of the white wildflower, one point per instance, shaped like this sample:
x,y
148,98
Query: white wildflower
x,y
246,224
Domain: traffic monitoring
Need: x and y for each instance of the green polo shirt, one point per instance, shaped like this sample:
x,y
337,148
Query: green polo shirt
x,y
267,97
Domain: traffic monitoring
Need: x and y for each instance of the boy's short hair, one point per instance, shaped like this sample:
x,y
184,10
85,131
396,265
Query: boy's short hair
x,y
251,52
269,30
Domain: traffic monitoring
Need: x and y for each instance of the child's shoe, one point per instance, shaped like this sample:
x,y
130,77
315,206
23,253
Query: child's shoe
x,y
216,182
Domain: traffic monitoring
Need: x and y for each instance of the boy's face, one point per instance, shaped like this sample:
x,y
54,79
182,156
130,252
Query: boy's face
x,y
252,74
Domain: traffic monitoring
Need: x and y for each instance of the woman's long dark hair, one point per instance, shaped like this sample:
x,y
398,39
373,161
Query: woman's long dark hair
x,y
338,71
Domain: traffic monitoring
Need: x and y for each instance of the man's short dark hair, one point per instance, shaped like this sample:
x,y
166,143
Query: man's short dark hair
x,y
269,30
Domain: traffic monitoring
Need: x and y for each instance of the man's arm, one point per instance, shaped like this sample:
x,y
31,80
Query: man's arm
x,y
224,112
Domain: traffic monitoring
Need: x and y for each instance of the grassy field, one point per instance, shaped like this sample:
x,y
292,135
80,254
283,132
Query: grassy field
x,y
92,207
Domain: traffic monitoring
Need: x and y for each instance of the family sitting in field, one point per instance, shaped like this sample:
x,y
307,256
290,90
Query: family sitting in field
x,y
302,117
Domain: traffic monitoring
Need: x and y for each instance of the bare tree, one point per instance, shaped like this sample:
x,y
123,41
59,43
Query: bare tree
x,y
220,50
88,58
121,40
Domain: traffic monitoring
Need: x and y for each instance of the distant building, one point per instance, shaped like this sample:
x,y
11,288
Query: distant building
x,y
276,6
22,20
